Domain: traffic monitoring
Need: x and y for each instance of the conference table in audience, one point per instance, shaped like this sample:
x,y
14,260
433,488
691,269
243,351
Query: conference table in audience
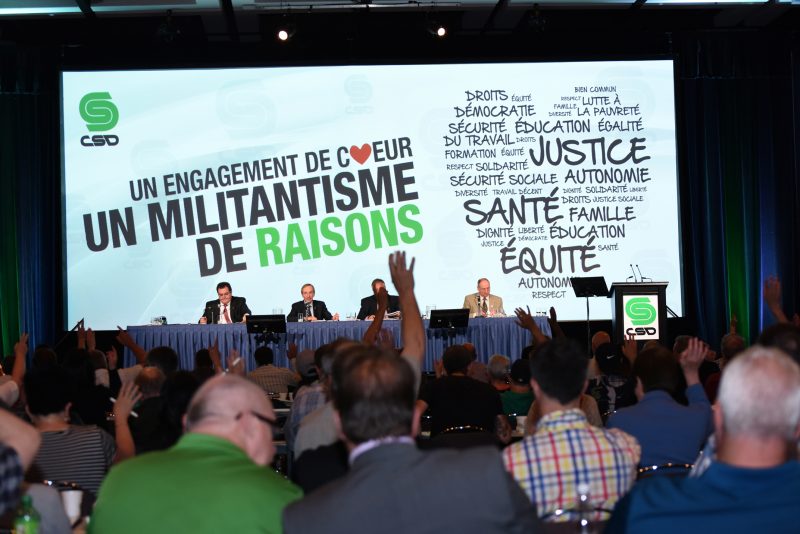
x,y
496,335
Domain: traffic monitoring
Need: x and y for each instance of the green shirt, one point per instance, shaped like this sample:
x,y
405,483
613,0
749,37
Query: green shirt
x,y
516,403
202,484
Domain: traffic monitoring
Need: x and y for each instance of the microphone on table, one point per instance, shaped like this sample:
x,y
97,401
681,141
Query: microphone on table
x,y
634,273
640,274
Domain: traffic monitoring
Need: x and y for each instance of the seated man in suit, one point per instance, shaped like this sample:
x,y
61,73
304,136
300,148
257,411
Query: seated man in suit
x,y
310,309
392,486
370,304
482,303
227,309
753,482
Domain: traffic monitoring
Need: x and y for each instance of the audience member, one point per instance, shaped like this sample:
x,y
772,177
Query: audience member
x,y
318,428
668,432
456,400
75,453
270,378
310,397
499,367
148,429
392,486
19,442
518,399
212,480
566,451
613,386
754,483
203,365
731,346
11,385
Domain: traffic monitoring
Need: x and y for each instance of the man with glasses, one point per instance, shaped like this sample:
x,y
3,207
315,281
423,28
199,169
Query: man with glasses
x,y
212,480
227,309
483,303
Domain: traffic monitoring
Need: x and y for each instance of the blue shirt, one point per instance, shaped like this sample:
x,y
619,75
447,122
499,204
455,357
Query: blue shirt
x,y
724,499
667,431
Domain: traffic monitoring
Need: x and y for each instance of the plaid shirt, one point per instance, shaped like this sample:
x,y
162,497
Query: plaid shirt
x,y
10,477
566,451
273,379
306,400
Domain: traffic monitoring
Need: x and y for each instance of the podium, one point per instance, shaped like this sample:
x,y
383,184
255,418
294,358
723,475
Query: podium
x,y
639,308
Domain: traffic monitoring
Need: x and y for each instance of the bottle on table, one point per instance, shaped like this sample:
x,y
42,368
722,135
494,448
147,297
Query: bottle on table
x,y
28,519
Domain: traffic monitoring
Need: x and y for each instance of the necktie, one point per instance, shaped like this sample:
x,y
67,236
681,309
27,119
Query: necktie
x,y
308,309
484,308
225,313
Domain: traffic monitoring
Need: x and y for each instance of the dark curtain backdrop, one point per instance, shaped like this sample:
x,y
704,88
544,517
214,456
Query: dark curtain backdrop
x,y
739,195
736,111
30,207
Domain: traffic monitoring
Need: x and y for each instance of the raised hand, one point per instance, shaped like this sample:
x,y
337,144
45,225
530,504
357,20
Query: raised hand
x,y
402,276
128,396
124,337
630,348
691,358
235,363
525,319
772,297
382,298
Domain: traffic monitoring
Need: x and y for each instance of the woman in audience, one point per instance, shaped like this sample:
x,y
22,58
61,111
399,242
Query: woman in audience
x,y
74,453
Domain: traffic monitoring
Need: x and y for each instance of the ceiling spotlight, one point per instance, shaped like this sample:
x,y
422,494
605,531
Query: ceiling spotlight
x,y
286,30
436,29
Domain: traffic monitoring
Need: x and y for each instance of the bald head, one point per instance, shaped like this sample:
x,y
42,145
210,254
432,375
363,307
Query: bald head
x,y
233,408
150,380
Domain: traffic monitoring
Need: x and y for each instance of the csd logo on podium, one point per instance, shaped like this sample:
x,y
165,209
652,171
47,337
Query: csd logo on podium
x,y
100,115
640,312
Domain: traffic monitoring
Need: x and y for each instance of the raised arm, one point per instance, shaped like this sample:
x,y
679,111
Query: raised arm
x,y
772,298
377,322
690,360
411,327
525,320
555,328
20,355
124,338
20,436
128,396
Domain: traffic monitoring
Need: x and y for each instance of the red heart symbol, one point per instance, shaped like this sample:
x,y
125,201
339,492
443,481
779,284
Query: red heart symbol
x,y
361,154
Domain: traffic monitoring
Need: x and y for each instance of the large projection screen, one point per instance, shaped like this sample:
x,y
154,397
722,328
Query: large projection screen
x,y
524,173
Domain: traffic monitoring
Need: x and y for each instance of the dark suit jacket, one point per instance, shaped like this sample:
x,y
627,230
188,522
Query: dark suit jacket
x,y
236,309
369,305
398,488
318,310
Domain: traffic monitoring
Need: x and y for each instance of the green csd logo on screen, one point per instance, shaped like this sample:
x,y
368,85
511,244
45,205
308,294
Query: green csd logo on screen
x,y
640,312
100,115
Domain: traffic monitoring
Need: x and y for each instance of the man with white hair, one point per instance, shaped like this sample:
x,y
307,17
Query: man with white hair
x,y
754,483
213,480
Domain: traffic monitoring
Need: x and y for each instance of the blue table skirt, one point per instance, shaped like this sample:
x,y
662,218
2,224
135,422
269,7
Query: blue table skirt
x,y
499,335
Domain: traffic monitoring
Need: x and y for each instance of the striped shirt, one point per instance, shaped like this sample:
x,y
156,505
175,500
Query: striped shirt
x,y
80,454
273,379
566,451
